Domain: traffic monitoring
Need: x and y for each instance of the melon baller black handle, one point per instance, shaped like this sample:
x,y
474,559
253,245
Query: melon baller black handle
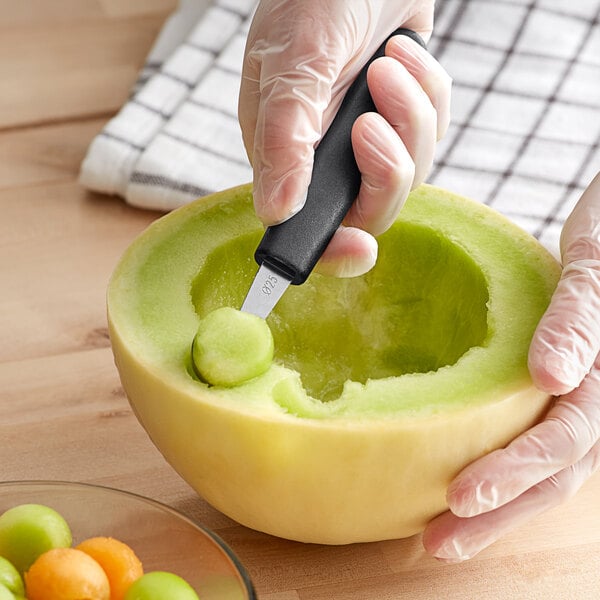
x,y
293,247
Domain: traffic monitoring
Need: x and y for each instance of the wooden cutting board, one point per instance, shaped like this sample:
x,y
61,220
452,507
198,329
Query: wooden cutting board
x,y
66,67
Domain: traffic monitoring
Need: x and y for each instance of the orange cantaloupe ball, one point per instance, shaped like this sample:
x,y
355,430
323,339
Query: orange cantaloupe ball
x,y
66,574
119,561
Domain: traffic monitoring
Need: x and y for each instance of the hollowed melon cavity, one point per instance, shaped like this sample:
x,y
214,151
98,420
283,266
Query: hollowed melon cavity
x,y
421,308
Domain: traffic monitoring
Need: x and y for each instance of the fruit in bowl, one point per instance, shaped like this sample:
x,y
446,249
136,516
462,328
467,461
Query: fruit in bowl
x,y
381,388
67,541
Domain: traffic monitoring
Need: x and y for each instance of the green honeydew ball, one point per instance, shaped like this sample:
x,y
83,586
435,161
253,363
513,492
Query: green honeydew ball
x,y
28,530
10,578
6,594
160,585
231,347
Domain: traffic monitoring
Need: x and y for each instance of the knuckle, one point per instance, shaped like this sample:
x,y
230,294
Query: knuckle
x,y
399,180
402,169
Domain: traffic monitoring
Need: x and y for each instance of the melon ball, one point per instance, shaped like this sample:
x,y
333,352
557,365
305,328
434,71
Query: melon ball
x,y
28,530
117,559
66,574
6,594
160,585
10,578
231,347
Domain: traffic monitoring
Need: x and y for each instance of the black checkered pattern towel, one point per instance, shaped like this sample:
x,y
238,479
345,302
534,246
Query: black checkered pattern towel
x,y
525,126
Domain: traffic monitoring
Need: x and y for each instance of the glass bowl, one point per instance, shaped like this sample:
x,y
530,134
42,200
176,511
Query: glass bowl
x,y
163,539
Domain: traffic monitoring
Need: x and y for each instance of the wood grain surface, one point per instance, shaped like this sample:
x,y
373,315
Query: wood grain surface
x,y
66,66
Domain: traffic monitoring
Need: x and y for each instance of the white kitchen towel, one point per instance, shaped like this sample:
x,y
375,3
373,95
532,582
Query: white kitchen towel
x,y
174,31
525,133
178,138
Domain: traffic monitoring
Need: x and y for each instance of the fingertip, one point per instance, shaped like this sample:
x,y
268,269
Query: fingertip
x,y
551,373
429,541
432,536
545,381
461,500
352,252
440,539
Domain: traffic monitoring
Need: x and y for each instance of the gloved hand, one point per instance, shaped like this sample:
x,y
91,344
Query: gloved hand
x,y
300,59
549,463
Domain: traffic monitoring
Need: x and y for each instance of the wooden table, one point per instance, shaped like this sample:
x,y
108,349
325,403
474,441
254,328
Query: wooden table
x,y
65,68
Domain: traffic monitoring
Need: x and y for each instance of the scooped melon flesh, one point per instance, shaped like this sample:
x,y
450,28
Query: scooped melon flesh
x,y
383,387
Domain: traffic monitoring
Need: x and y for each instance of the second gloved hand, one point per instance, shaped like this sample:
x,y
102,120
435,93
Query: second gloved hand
x,y
547,464
300,59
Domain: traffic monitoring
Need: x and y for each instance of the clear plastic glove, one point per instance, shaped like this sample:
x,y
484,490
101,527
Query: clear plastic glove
x,y
549,463
300,59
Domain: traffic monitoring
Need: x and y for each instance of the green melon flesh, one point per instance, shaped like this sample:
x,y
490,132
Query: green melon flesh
x,y
382,387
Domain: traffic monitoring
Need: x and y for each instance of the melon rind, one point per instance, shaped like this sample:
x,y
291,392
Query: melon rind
x,y
372,464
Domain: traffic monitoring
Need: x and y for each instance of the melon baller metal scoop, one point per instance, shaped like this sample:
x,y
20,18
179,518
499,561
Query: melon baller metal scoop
x,y
289,251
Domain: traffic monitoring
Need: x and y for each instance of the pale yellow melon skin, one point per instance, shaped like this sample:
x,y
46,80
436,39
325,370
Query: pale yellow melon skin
x,y
322,480
329,482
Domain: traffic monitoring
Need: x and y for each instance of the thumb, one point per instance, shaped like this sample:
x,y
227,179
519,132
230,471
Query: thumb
x,y
286,97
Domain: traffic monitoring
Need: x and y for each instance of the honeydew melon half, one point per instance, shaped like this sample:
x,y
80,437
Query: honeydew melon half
x,y
382,387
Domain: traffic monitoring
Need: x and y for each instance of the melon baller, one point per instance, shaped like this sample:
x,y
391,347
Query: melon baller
x,y
288,252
